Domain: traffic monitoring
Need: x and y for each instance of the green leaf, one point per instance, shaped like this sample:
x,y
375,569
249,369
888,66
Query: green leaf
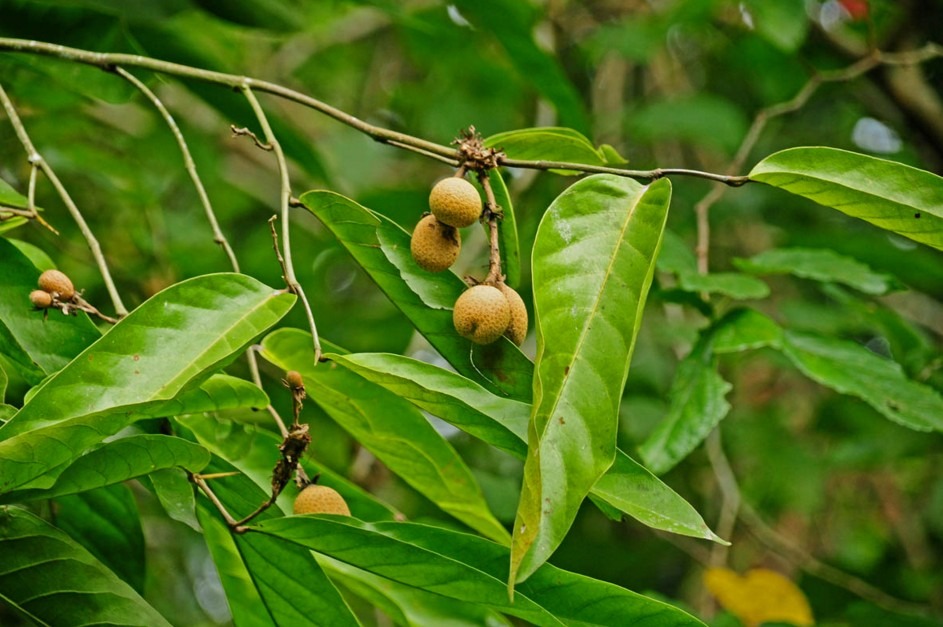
x,y
850,368
507,231
106,522
593,261
241,595
502,422
820,265
734,285
382,249
175,493
745,329
175,339
40,344
698,404
120,460
392,429
784,23
893,196
548,143
293,588
11,198
406,605
44,573
472,569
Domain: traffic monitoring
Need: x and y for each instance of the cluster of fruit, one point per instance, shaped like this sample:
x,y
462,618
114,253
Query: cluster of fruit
x,y
55,290
485,311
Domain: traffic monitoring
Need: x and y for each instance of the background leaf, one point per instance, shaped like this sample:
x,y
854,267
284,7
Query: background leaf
x,y
732,284
54,580
549,143
850,368
698,404
893,196
820,265
593,262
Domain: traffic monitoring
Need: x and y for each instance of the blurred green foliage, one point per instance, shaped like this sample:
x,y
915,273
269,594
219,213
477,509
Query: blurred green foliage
x,y
667,84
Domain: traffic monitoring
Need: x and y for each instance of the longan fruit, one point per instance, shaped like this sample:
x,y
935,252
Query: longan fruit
x,y
517,329
57,284
40,299
320,499
482,314
455,201
434,245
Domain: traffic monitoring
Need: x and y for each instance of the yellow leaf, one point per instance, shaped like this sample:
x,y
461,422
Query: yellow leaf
x,y
759,596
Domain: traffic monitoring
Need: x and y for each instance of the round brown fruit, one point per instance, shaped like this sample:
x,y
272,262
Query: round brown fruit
x,y
57,284
294,380
517,329
435,246
320,499
481,314
455,201
40,299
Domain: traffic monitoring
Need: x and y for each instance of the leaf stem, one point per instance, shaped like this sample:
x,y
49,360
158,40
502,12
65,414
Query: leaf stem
x,y
38,162
284,205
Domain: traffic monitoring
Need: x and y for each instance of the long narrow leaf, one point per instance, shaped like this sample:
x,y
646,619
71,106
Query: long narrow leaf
x,y
469,568
593,261
55,581
893,196
173,340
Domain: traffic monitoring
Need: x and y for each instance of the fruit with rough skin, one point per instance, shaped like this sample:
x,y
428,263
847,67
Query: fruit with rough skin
x,y
434,245
40,299
57,284
455,201
320,499
294,380
482,314
517,329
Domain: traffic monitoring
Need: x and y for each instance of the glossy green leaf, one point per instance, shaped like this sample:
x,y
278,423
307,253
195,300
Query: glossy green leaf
x,y
548,143
120,460
9,197
469,568
382,249
241,595
850,368
893,196
175,339
392,429
106,522
54,580
734,285
406,605
507,231
293,588
593,261
698,404
502,422
39,344
820,265
745,329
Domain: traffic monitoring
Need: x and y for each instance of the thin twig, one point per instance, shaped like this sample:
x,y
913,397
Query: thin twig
x,y
492,214
38,162
284,198
205,488
257,379
188,162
